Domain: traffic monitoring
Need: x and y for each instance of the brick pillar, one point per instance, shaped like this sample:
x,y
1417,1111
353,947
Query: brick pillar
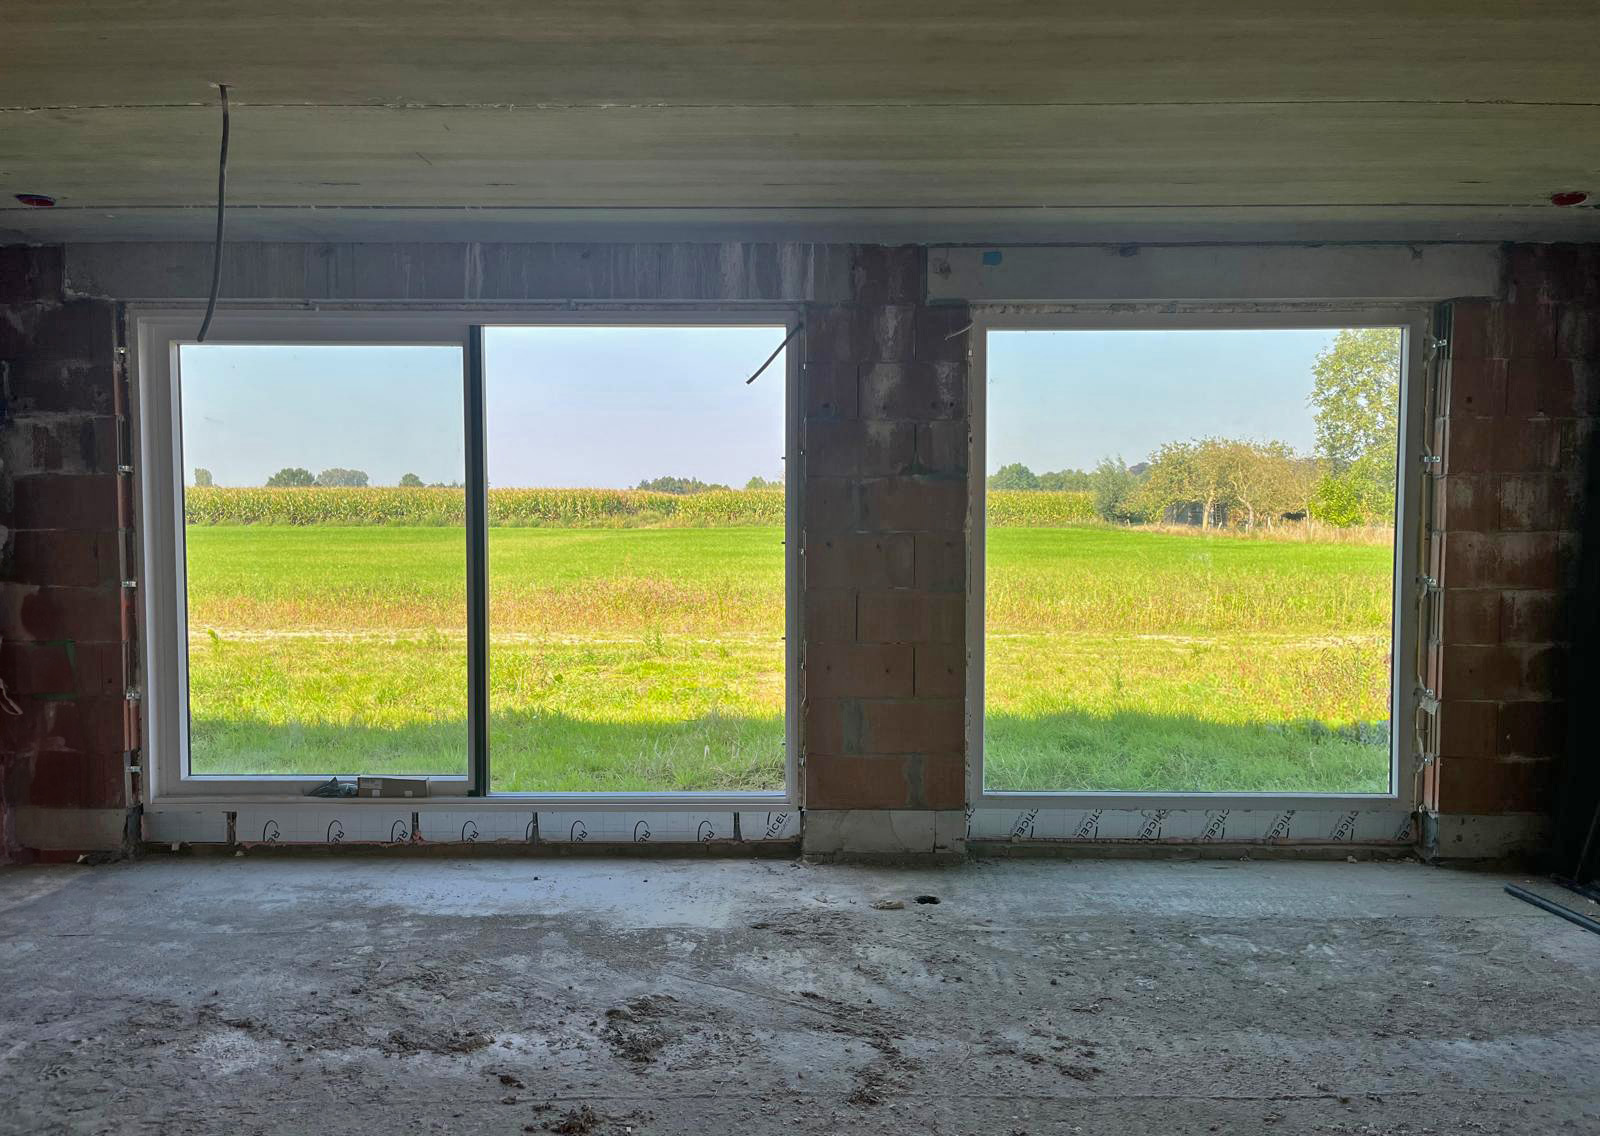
x,y
61,640
1523,393
884,392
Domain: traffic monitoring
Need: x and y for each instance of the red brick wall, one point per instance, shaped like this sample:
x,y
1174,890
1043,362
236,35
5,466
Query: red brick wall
x,y
1523,389
884,393
61,640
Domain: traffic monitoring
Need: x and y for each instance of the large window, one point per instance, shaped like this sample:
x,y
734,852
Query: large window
x,y
513,559
325,559
1189,559
636,558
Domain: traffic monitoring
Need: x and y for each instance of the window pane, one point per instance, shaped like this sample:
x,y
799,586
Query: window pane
x,y
1189,560
636,559
326,559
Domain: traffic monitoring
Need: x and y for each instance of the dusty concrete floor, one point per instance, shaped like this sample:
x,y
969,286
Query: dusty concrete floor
x,y
497,996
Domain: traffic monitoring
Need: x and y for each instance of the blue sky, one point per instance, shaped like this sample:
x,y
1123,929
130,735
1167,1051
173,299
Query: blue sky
x,y
1066,399
576,406
588,406
250,411
567,406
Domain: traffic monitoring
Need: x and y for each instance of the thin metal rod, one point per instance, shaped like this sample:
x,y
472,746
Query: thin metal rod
x,y
778,351
477,569
222,199
1554,908
1582,866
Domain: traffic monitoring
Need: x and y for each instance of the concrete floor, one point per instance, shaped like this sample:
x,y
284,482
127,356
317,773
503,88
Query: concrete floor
x,y
504,996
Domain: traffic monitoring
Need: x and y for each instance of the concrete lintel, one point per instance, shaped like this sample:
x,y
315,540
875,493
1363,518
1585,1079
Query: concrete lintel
x,y
467,272
1156,273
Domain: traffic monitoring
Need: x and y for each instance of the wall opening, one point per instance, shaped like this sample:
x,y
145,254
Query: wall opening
x,y
547,560
1189,559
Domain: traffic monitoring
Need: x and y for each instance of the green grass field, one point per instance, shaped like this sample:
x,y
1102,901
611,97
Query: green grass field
x,y
1126,659
625,659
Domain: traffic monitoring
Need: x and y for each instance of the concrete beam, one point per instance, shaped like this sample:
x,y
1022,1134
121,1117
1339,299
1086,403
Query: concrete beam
x,y
676,273
1356,273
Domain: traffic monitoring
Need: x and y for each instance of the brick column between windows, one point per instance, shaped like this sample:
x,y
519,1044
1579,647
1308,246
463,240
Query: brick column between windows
x,y
884,394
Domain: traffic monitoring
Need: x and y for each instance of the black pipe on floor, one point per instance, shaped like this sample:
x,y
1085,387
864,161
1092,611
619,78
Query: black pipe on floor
x,y
1555,908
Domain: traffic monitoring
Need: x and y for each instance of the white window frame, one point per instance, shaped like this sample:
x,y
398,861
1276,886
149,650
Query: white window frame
x,y
1414,319
156,335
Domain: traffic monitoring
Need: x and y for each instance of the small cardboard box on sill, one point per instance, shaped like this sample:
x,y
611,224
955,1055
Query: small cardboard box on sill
x,y
391,786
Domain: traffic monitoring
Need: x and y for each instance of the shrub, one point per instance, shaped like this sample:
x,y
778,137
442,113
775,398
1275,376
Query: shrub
x,y
1362,495
1115,496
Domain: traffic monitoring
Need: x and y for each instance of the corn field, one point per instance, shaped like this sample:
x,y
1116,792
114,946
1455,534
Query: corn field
x,y
1039,508
511,508
565,508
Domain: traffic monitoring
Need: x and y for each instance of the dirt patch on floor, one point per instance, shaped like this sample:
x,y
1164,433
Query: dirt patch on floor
x,y
635,1031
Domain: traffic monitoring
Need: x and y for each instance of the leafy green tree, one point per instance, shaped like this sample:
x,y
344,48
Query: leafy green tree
x,y
1264,479
1355,394
1116,491
410,481
1013,476
679,485
1246,481
1188,474
759,482
340,478
1074,480
291,477
202,478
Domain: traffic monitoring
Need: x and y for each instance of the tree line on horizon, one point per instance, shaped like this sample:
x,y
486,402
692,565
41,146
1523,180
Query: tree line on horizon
x,y
295,477
1348,480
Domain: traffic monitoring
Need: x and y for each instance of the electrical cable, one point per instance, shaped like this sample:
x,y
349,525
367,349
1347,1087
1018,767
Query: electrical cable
x,y
222,195
776,352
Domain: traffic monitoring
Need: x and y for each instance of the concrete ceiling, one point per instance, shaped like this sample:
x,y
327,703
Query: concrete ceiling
x,y
1152,119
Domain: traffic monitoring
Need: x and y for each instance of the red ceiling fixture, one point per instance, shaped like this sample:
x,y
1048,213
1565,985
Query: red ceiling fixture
x,y
1569,197
36,200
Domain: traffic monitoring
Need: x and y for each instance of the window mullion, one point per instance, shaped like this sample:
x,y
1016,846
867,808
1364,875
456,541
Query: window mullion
x,y
477,567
